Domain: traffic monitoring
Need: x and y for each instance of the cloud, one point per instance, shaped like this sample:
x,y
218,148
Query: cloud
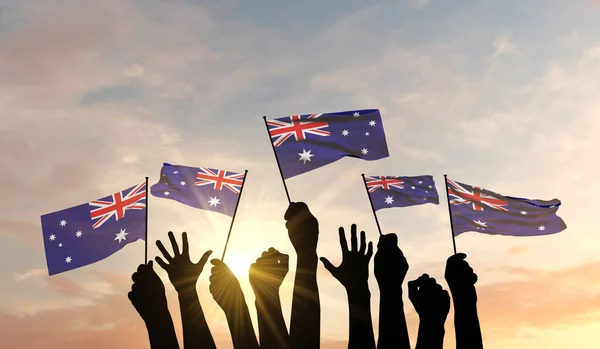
x,y
503,46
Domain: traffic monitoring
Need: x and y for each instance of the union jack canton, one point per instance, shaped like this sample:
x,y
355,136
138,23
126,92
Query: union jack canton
x,y
480,210
90,232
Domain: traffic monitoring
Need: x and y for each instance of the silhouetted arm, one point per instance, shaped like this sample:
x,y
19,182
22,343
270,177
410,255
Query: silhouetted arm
x,y
432,303
390,270
227,292
148,297
184,276
305,324
266,276
461,280
353,274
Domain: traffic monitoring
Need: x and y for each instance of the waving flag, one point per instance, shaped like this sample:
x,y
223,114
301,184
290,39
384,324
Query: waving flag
x,y
303,143
88,233
395,191
200,187
481,210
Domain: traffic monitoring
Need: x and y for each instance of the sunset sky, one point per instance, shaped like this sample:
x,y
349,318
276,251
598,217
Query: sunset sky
x,y
97,94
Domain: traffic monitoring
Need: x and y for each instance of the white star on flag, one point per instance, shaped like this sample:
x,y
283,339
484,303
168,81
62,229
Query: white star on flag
x,y
121,235
372,123
366,133
68,259
63,222
52,237
541,228
167,193
305,156
59,245
182,183
480,223
78,233
523,212
214,201
345,133
389,200
364,151
356,114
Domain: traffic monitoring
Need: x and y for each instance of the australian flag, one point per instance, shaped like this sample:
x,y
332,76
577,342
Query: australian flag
x,y
200,187
394,191
88,233
481,210
305,142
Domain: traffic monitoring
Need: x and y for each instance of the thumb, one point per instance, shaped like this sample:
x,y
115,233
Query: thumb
x,y
151,264
327,264
204,258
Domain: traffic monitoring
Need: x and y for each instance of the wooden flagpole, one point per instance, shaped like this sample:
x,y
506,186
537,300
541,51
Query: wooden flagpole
x,y
371,201
234,213
450,212
146,232
278,165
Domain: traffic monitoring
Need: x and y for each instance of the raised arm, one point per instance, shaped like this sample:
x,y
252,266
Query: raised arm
x,y
227,292
390,270
432,303
461,280
266,276
148,298
184,274
353,274
305,324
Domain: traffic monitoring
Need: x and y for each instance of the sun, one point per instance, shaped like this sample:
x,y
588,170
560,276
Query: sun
x,y
239,264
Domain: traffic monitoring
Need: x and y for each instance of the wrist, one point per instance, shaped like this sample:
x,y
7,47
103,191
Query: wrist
x,y
358,293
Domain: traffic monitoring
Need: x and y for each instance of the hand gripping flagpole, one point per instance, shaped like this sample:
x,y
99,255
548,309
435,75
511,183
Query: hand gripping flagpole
x,y
276,158
371,201
234,213
450,212
146,233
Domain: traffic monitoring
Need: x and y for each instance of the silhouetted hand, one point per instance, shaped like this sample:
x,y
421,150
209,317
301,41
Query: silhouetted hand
x,y
303,228
183,273
390,264
267,274
461,278
430,300
225,287
353,273
147,292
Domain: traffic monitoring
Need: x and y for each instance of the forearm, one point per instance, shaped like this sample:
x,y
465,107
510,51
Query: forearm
x,y
196,333
271,325
466,325
305,324
431,335
240,326
161,331
361,325
393,331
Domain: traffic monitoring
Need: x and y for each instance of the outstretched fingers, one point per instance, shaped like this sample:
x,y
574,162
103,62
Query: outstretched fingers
x,y
185,246
343,242
174,244
164,252
353,242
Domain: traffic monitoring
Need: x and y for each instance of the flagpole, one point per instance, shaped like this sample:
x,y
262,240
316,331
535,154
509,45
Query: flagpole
x,y
276,158
371,201
146,233
450,212
234,213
